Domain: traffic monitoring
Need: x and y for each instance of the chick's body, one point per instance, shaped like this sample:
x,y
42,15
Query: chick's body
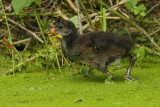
x,y
97,49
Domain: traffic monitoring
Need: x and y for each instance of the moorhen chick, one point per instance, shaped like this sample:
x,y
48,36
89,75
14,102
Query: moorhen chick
x,y
97,49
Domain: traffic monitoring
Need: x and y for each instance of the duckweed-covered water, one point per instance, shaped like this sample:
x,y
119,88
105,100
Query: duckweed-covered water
x,y
37,88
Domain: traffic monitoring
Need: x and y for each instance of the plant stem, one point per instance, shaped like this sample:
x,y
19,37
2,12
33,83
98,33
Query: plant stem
x,y
59,67
5,17
101,14
151,51
104,20
58,63
27,14
79,18
38,21
20,64
89,19
27,30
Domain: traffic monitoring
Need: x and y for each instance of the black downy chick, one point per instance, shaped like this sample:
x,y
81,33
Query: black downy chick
x,y
97,49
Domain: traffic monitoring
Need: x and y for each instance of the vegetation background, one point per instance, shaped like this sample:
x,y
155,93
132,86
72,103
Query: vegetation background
x,y
37,66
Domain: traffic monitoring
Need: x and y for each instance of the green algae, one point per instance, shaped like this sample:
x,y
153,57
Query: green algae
x,y
35,87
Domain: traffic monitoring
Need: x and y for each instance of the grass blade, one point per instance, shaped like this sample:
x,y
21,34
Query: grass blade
x,y
104,20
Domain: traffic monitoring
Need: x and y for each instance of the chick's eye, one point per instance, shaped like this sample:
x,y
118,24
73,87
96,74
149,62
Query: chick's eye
x,y
60,27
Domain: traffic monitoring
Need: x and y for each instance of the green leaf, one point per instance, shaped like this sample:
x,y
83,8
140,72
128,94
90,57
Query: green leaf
x,y
18,5
74,19
134,2
123,32
141,8
38,2
141,39
129,6
136,11
140,52
9,38
142,13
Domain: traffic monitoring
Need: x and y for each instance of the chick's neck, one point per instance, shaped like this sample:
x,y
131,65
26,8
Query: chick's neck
x,y
67,41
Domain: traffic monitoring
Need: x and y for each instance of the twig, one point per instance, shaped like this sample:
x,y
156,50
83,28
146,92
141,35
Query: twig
x,y
62,61
68,62
54,3
32,33
6,31
132,29
9,45
152,8
111,2
155,31
115,7
59,13
117,1
120,3
71,4
126,12
21,41
29,41
114,18
47,5
128,30
65,59
17,52
9,7
19,65
28,14
79,17
123,13
97,19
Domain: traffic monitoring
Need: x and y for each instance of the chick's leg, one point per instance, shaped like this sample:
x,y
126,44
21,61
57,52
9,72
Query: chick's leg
x,y
108,74
128,72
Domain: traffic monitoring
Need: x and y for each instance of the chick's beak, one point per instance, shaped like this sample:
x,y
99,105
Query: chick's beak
x,y
56,35
53,30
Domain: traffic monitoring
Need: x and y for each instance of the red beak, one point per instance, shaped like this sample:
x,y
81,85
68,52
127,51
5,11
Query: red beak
x,y
53,30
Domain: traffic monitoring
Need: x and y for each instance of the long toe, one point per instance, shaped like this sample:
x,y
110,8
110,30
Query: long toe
x,y
109,78
129,78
